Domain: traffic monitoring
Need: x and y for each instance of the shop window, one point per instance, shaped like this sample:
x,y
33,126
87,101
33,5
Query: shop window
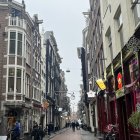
x,y
127,79
111,84
133,68
18,82
12,47
11,77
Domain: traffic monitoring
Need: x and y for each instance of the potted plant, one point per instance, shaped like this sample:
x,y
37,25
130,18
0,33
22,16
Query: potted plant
x,y
134,119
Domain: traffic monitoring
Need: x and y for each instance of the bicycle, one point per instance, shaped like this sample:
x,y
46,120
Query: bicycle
x,y
111,132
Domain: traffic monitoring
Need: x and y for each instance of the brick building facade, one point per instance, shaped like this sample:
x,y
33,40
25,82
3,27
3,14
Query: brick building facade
x,y
20,67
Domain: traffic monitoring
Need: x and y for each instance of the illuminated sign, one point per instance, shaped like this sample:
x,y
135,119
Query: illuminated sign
x,y
101,84
119,79
91,94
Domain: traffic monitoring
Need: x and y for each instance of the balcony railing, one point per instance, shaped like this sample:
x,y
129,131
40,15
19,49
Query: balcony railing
x,y
16,21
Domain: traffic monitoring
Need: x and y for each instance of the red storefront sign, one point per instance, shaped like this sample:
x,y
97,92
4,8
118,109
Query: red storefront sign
x,y
119,79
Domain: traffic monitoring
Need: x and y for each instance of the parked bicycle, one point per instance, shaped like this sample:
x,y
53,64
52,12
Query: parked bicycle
x,y
111,132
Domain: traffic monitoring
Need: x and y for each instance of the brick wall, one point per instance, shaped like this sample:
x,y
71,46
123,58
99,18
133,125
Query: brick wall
x,y
3,50
3,47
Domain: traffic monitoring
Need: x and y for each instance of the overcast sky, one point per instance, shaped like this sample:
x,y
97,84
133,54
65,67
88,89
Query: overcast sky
x,y
65,19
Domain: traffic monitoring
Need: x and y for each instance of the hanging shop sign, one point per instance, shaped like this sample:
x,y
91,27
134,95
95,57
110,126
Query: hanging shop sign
x,y
119,79
91,94
101,84
45,104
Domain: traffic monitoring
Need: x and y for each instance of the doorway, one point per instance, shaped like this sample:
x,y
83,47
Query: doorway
x,y
122,119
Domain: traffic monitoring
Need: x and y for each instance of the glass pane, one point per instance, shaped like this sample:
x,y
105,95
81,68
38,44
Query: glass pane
x,y
11,84
19,48
18,85
18,73
13,35
11,72
120,19
12,47
19,36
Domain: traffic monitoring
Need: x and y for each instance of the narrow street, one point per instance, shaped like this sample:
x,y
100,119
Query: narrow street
x,y
68,134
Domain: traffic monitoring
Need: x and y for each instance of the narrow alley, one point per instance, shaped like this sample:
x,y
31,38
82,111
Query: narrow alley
x,y
68,134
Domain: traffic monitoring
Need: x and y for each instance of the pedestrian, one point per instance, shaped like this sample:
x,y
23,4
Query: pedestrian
x,y
77,126
41,132
35,132
73,126
49,129
15,132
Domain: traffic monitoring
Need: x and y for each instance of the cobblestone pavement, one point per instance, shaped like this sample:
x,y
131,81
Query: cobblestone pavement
x,y
68,134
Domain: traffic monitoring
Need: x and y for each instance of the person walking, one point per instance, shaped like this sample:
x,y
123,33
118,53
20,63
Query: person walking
x,y
73,126
77,125
41,132
35,132
15,132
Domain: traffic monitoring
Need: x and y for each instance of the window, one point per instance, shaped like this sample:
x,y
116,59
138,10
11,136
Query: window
x,y
119,21
19,44
11,77
105,4
15,12
18,82
133,68
109,44
136,10
27,85
120,29
12,47
28,53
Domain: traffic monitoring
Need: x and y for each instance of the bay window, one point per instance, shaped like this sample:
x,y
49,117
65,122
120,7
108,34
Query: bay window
x,y
12,43
15,43
18,82
19,44
11,77
27,85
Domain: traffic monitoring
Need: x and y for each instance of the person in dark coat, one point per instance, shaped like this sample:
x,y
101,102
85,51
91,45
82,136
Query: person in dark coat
x,y
35,132
15,132
77,126
41,132
49,129
73,126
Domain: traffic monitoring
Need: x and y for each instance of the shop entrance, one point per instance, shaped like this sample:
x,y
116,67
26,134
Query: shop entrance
x,y
122,119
